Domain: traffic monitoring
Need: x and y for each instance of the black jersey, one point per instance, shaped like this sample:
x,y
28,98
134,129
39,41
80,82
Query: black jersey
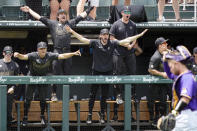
x,y
102,55
41,66
8,68
60,37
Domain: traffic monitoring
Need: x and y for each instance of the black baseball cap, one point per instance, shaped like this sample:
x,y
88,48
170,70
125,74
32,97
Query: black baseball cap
x,y
60,11
104,31
42,45
159,41
195,50
7,49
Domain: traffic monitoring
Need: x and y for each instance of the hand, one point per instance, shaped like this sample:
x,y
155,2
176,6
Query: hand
x,y
129,47
25,8
144,32
77,53
159,122
164,75
164,56
16,54
11,90
89,9
68,29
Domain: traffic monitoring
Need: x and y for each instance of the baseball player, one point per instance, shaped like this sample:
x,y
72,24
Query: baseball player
x,y
61,39
40,65
184,114
9,68
103,49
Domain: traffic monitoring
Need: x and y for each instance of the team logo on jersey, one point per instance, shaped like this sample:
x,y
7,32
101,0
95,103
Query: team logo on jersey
x,y
130,27
184,91
0,65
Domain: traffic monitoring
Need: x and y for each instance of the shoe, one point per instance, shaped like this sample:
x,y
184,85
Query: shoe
x,y
161,20
101,118
43,120
11,121
119,99
179,20
89,119
54,97
114,119
24,122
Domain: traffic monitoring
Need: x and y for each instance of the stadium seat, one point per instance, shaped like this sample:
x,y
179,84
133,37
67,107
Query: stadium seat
x,y
150,7
11,10
45,8
103,11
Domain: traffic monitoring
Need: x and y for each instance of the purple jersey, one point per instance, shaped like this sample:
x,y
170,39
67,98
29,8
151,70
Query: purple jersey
x,y
184,85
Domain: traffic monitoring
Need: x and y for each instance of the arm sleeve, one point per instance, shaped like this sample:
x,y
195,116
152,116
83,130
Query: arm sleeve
x,y
92,43
31,56
187,84
154,62
46,21
75,21
53,56
112,30
167,70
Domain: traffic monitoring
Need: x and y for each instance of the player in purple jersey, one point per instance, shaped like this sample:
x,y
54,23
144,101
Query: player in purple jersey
x,y
184,92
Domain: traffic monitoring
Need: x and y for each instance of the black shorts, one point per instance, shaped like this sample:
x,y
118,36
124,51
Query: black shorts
x,y
61,0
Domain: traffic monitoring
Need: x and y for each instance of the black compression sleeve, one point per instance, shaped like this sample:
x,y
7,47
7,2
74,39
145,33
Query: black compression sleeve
x,y
180,106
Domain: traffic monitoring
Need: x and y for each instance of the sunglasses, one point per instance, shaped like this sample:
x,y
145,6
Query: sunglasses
x,y
127,12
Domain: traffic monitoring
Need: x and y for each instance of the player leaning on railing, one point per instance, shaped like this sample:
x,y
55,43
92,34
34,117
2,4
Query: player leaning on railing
x,y
184,114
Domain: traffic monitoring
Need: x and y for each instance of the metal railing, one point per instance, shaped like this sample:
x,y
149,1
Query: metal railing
x,y
66,81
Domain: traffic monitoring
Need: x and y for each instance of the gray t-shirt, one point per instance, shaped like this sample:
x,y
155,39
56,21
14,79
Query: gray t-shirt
x,y
121,31
9,68
102,55
156,61
41,66
60,37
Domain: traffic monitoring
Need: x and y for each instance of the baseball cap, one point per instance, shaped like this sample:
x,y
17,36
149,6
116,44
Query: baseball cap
x,y
60,11
181,53
159,41
7,49
195,50
104,31
126,10
42,45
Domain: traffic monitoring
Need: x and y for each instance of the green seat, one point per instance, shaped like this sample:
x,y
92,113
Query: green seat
x,y
11,10
144,2
150,7
103,11
45,8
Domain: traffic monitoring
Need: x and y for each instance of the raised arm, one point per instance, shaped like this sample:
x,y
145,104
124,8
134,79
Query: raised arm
x,y
31,12
68,55
78,36
132,38
20,56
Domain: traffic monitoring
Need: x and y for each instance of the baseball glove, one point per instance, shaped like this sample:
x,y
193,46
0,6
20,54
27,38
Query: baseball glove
x,y
168,122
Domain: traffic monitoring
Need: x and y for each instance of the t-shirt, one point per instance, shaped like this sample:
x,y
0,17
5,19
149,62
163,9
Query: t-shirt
x,y
60,37
156,61
121,31
102,55
8,68
41,66
184,85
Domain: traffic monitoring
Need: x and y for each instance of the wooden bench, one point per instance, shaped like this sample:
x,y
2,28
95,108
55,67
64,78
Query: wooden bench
x,y
56,110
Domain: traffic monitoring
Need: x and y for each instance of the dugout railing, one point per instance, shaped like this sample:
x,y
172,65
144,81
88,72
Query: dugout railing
x,y
68,80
